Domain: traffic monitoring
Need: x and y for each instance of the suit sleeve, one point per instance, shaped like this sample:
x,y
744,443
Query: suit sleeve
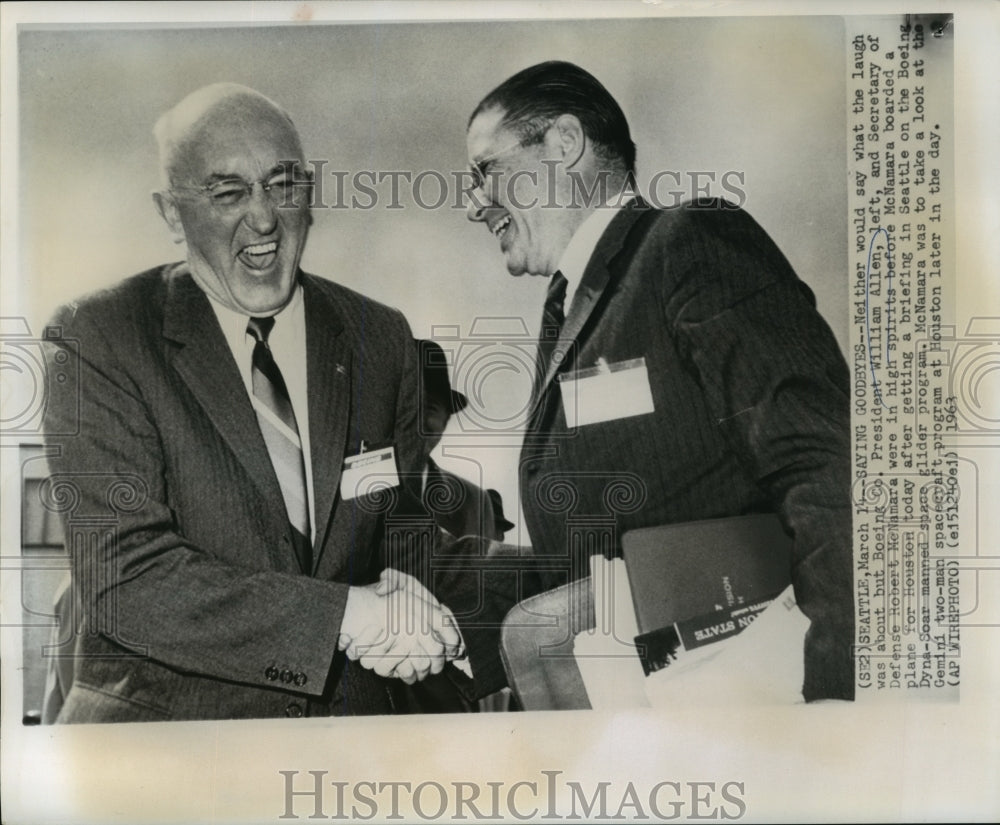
x,y
777,385
146,587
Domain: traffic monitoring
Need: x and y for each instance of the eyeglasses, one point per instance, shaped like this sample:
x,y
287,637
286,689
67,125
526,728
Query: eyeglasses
x,y
480,168
283,189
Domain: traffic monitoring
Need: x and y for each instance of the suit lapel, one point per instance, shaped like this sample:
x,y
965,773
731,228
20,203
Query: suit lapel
x,y
206,365
596,278
329,367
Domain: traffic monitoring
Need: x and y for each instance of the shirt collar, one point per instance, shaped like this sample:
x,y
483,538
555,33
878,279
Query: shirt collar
x,y
234,324
581,246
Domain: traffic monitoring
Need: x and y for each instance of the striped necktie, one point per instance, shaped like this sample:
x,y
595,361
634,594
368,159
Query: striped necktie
x,y
281,435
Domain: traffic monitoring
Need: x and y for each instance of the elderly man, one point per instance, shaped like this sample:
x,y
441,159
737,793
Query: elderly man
x,y
234,412
736,398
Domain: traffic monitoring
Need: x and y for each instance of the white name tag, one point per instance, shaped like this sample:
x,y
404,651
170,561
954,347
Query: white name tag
x,y
606,392
368,472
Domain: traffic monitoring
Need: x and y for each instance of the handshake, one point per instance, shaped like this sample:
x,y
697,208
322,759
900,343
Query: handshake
x,y
397,628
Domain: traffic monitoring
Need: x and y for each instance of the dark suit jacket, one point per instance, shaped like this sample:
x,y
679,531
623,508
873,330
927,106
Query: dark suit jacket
x,y
193,603
751,412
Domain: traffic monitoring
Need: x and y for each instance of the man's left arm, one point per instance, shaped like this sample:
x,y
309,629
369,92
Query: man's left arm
x,y
777,385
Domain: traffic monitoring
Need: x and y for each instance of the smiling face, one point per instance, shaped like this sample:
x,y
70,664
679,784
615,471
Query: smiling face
x,y
244,255
514,199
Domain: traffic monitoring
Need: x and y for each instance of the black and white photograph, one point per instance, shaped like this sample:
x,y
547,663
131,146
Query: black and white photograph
x,y
441,411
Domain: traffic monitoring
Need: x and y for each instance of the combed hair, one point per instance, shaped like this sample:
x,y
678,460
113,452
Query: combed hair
x,y
534,97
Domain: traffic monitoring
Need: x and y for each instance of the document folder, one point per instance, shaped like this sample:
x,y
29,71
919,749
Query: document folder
x,y
700,582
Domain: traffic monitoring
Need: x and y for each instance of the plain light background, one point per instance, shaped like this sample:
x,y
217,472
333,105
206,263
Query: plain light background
x,y
763,97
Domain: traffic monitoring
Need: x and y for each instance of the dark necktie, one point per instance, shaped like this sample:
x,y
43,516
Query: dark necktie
x,y
281,435
553,317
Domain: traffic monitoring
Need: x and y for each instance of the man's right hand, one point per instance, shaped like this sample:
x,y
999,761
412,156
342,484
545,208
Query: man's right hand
x,y
397,628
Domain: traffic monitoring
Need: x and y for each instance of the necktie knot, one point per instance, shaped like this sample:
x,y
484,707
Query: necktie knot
x,y
260,328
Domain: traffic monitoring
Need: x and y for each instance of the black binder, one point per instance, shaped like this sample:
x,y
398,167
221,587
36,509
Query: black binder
x,y
700,582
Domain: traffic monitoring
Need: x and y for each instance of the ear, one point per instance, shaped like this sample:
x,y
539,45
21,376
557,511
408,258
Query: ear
x,y
569,135
167,208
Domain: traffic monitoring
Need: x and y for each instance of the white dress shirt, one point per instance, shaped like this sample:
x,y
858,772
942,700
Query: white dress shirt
x,y
581,246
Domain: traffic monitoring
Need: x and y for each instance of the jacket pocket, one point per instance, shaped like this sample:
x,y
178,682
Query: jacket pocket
x,y
90,704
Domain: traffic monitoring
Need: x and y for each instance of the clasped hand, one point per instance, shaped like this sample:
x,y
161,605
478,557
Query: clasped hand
x,y
396,627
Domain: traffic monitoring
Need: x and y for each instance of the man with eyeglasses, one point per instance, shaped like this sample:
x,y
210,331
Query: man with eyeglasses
x,y
228,555
729,393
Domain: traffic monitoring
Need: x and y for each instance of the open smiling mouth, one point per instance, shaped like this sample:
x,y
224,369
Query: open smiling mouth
x,y
259,256
499,229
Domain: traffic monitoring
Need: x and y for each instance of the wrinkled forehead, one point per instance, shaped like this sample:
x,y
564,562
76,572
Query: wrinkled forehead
x,y
238,135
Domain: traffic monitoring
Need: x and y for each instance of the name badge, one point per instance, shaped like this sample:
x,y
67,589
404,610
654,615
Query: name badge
x,y
368,472
606,392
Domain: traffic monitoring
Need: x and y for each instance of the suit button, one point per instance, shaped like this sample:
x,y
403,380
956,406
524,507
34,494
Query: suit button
x,y
271,674
294,710
300,679
286,676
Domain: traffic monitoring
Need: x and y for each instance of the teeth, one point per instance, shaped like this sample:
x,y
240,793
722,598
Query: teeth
x,y
262,248
500,226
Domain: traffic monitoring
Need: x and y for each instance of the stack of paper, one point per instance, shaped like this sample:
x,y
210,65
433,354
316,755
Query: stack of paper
x,y
762,665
